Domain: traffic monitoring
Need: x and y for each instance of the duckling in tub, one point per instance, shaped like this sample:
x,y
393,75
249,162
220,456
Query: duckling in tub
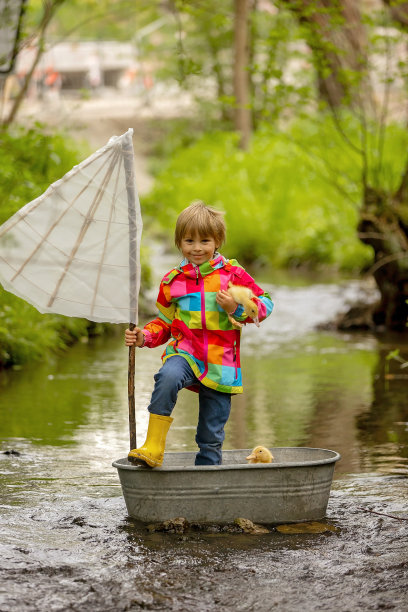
x,y
260,454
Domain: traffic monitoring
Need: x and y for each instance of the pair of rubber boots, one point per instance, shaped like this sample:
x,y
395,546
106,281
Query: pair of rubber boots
x,y
152,452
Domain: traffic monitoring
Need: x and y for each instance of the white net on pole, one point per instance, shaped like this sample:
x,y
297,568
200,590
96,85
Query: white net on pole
x,y
75,249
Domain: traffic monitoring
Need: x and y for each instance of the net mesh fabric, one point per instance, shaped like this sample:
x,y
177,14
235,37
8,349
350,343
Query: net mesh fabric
x,y
75,249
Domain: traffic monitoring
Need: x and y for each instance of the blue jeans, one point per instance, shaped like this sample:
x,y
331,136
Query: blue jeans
x,y
176,374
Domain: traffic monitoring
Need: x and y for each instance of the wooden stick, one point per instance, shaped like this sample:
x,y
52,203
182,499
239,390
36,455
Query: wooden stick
x,y
131,394
128,164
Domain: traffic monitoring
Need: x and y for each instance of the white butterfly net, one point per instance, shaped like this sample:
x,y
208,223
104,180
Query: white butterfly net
x,y
75,249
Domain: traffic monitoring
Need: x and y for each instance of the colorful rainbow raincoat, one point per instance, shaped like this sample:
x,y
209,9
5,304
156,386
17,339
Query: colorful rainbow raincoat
x,y
200,329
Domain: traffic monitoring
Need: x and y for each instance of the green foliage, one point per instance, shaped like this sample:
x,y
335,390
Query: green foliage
x,y
170,135
26,335
31,159
293,198
95,19
394,356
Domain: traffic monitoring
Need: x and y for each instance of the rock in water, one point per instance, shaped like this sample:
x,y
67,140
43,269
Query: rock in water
x,y
248,526
175,525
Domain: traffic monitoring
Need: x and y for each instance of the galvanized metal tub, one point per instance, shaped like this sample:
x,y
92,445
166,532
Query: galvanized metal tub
x,y
295,487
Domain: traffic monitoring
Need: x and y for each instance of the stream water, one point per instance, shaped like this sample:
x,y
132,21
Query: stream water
x,y
67,544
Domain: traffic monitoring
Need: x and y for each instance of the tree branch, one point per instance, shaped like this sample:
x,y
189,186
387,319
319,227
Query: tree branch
x,y
49,9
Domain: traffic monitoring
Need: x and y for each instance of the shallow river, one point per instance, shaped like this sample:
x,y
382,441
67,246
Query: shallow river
x,y
66,542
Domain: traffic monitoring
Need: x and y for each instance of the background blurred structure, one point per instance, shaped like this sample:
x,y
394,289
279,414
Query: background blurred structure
x,y
81,65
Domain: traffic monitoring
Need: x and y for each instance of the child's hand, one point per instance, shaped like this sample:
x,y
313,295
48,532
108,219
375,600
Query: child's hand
x,y
226,301
134,337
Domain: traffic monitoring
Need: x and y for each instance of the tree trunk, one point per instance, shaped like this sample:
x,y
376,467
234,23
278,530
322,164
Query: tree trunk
x,y
253,35
384,226
220,79
49,9
399,12
337,38
241,76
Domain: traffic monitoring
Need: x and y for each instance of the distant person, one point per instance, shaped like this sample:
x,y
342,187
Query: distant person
x,y
148,88
204,352
52,84
52,78
94,75
148,81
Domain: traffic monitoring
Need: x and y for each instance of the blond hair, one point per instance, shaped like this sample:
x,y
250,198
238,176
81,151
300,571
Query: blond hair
x,y
198,218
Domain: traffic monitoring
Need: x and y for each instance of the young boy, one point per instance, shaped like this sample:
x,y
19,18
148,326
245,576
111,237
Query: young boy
x,y
204,352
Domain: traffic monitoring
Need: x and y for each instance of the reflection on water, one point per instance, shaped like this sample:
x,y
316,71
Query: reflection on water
x,y
68,417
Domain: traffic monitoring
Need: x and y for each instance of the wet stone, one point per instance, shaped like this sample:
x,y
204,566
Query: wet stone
x,y
248,526
177,525
181,526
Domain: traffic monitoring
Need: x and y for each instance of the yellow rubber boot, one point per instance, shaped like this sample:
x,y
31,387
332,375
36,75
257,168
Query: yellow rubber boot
x,y
152,451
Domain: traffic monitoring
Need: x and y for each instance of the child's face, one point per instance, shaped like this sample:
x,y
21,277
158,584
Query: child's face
x,y
198,249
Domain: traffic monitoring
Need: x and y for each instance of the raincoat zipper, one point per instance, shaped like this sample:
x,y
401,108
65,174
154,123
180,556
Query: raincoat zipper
x,y
235,360
203,322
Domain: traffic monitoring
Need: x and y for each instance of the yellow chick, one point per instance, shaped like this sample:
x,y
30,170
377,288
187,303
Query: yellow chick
x,y
260,454
243,295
